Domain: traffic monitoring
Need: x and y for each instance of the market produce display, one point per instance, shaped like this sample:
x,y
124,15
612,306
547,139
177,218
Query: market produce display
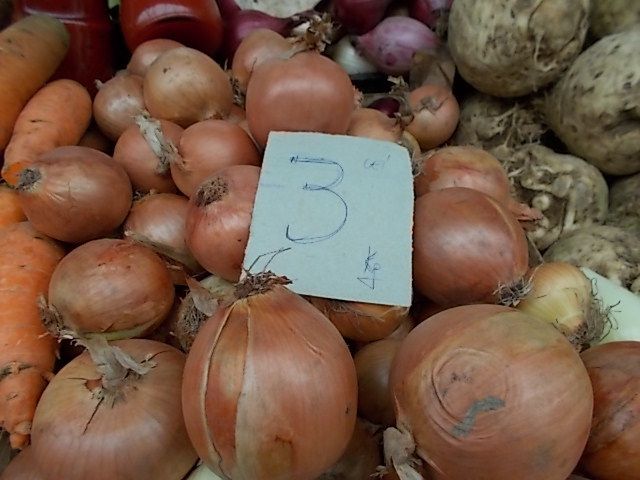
x,y
137,343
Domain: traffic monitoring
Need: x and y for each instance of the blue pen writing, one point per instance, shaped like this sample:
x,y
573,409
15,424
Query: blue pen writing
x,y
371,267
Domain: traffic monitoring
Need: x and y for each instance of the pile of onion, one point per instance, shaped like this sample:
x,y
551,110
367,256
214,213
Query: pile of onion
x,y
219,217
112,287
468,248
269,387
480,379
612,451
75,194
114,412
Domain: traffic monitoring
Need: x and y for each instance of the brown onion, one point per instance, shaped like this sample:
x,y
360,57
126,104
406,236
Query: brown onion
x,y
116,104
269,387
207,147
362,456
468,248
260,45
307,92
75,194
435,115
112,287
145,151
158,221
146,53
118,415
372,123
364,322
94,138
373,364
471,167
219,218
186,86
480,379
21,467
612,451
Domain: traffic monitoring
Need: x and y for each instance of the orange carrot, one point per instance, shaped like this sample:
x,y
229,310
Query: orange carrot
x,y
31,50
27,351
57,115
10,209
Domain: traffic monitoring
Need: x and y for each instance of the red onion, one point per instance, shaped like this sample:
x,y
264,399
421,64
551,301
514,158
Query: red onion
x,y
430,12
360,16
387,105
392,44
228,8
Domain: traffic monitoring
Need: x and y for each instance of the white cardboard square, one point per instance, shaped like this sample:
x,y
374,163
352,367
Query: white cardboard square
x,y
339,210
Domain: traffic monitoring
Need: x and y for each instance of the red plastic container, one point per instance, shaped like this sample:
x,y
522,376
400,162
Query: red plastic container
x,y
194,23
91,53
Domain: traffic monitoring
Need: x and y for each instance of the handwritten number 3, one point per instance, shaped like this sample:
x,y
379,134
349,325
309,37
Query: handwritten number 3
x,y
320,188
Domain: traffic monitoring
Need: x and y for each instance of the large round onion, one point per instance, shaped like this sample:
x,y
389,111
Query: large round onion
x,y
477,380
186,86
304,93
208,146
468,248
110,286
146,53
75,194
117,102
219,218
145,151
270,388
613,449
104,418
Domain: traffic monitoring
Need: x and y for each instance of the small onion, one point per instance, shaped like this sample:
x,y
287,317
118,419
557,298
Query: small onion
x,y
468,248
147,52
363,322
158,221
480,379
186,86
373,364
304,93
118,415
219,218
112,287
270,387
372,123
435,115
75,194
612,451
145,151
207,147
360,16
116,104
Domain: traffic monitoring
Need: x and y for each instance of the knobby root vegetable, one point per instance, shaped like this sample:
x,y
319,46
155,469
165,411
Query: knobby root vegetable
x,y
595,107
57,115
31,50
624,204
609,251
510,48
570,193
613,16
10,209
27,352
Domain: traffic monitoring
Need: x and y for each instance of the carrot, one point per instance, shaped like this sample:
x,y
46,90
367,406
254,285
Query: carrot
x,y
27,351
31,50
57,115
10,209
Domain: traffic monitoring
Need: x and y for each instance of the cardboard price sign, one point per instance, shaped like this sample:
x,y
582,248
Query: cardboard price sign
x,y
334,214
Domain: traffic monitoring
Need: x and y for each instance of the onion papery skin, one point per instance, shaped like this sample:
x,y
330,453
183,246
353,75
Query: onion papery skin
x,y
372,123
218,220
75,436
75,194
270,390
467,246
305,93
144,168
612,449
158,221
480,379
359,321
116,104
207,147
112,287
